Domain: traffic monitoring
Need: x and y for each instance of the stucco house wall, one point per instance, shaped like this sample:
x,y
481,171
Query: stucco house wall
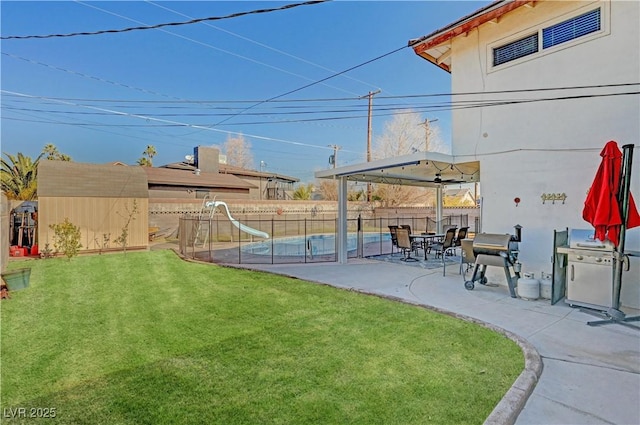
x,y
530,149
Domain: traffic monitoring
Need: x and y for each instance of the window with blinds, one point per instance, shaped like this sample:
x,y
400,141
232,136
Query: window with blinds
x,y
571,29
516,49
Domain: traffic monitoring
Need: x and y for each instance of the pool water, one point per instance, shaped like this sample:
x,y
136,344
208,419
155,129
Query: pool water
x,y
322,244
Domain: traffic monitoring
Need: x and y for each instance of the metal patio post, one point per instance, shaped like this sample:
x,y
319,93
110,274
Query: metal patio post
x,y
342,220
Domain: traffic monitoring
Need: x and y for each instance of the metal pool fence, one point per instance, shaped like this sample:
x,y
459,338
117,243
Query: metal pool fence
x,y
308,240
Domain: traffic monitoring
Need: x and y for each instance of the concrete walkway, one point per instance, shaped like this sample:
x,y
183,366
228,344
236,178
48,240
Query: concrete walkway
x,y
585,375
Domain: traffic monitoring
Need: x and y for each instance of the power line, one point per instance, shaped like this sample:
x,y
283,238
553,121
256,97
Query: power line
x,y
153,119
168,24
249,59
265,46
295,90
309,100
89,126
316,82
395,110
91,77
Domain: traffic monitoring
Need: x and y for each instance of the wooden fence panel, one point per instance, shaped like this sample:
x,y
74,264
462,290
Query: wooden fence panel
x,y
101,220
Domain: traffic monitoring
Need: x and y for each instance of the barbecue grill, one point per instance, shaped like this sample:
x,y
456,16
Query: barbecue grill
x,y
500,250
590,270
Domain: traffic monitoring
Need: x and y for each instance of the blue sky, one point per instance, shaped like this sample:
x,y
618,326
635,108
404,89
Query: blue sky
x,y
104,98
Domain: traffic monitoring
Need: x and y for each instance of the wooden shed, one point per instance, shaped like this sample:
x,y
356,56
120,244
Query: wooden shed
x,y
99,199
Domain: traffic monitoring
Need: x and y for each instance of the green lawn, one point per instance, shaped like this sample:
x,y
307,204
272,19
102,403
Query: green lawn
x,y
146,338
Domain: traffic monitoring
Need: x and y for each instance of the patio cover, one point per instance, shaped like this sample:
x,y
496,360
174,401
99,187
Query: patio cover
x,y
424,169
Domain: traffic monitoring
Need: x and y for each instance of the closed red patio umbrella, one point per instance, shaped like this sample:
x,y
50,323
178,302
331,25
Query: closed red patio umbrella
x,y
602,206
610,208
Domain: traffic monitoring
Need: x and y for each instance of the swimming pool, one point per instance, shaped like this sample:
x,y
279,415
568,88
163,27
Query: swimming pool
x,y
322,244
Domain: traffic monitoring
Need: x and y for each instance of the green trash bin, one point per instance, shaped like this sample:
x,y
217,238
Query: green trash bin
x,y
17,279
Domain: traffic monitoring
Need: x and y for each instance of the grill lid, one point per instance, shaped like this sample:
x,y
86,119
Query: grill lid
x,y
585,239
491,243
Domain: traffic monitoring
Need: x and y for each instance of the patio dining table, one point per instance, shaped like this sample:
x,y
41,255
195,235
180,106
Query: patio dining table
x,y
426,237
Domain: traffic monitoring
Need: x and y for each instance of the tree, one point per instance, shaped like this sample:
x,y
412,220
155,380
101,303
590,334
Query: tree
x,y
328,190
356,195
147,156
405,134
238,152
303,192
19,176
51,153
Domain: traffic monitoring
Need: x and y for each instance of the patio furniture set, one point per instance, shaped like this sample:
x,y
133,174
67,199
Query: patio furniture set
x,y
442,245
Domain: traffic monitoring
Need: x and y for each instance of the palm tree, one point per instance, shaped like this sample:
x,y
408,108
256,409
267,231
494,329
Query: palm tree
x,y
145,162
303,192
19,176
51,152
147,159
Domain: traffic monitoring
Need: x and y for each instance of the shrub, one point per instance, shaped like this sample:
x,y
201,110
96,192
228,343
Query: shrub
x,y
66,238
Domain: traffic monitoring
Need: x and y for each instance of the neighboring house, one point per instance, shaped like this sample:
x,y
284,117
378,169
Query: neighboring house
x,y
261,186
568,52
191,184
269,186
459,197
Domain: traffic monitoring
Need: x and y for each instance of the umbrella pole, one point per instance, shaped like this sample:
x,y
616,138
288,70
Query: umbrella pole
x,y
614,313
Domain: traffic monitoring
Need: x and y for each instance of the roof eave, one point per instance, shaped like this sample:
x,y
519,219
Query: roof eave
x,y
463,26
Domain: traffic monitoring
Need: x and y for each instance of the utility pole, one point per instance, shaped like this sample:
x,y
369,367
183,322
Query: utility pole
x,y
262,166
370,96
333,159
427,133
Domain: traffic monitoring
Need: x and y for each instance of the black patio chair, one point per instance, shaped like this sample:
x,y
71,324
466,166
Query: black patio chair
x,y
462,234
416,243
404,243
394,237
442,247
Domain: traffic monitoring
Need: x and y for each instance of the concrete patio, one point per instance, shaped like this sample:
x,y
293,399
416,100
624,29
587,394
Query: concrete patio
x,y
584,374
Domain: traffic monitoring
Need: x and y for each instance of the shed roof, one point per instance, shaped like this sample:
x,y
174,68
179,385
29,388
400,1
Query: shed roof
x,y
188,178
74,179
436,47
